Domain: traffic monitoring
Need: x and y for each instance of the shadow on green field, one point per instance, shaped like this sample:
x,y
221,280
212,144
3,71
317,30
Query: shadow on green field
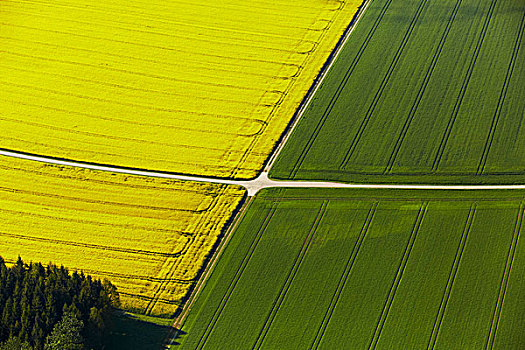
x,y
132,331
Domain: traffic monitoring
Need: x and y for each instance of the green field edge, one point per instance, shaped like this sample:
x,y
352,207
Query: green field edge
x,y
264,199
434,179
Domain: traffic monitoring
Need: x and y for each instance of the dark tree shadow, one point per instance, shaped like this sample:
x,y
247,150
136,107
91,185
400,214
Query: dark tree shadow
x,y
131,332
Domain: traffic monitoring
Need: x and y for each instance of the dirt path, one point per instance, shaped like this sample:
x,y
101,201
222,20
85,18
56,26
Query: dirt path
x,y
261,182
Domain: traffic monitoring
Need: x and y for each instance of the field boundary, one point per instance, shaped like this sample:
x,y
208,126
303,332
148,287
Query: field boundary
x,y
236,278
261,182
315,86
177,323
320,123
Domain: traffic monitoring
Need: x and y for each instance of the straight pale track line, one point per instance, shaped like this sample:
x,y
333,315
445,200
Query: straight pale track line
x,y
252,186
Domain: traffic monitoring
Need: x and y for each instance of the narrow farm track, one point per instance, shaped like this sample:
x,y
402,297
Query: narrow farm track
x,y
257,184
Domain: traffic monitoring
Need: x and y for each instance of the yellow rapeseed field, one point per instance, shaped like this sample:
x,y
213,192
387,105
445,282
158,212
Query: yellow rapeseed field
x,y
193,86
148,236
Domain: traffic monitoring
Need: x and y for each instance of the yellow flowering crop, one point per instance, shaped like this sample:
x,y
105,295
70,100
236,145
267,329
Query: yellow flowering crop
x,y
148,236
199,86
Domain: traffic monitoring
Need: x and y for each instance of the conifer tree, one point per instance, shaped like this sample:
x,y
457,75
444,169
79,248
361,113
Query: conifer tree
x,y
67,334
34,298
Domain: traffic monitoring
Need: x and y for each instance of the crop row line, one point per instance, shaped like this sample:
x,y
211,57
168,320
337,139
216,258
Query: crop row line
x,y
384,83
170,94
129,276
214,151
222,40
240,270
165,160
117,275
275,107
93,209
290,277
244,6
172,264
451,278
344,277
95,201
119,70
124,71
223,59
138,44
422,89
496,316
463,90
136,186
262,122
91,246
501,100
118,14
196,288
339,90
107,136
193,24
97,223
146,298
399,275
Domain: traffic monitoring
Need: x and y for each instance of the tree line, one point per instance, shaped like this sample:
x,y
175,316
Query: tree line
x,y
47,307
